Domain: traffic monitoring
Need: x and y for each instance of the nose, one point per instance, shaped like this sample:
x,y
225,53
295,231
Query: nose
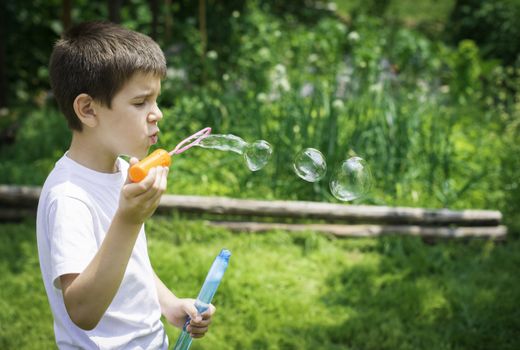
x,y
155,114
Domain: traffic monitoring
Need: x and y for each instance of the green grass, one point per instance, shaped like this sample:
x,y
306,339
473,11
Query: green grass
x,y
303,291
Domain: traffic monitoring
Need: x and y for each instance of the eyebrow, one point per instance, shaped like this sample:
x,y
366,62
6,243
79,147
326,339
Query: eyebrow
x,y
145,94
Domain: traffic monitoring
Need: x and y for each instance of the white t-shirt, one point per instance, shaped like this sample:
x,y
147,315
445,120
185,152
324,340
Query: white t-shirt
x,y
75,210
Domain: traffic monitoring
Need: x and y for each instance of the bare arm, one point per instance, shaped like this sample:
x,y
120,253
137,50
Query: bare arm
x,y
88,295
176,310
165,295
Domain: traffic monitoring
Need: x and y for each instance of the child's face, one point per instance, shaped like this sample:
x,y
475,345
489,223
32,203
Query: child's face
x,y
130,126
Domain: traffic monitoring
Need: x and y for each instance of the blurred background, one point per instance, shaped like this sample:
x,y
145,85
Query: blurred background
x,y
427,92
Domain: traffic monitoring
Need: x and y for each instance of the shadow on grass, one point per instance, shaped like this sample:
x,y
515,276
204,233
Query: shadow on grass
x,y
454,295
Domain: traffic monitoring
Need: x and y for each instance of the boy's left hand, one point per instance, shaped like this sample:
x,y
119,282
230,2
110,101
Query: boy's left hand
x,y
182,308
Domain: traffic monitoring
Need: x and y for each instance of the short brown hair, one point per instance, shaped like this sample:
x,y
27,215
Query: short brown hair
x,y
98,58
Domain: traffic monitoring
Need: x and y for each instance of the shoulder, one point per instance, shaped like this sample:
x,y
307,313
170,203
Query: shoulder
x,y
65,196
63,202
61,182
66,190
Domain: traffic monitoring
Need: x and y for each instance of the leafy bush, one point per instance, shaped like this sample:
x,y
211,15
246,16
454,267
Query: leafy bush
x,y
428,119
40,141
407,104
493,25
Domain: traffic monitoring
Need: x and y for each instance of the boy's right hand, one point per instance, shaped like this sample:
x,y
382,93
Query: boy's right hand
x,y
139,200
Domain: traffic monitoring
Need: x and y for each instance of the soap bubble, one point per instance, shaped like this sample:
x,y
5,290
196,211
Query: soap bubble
x,y
228,142
351,180
310,165
257,154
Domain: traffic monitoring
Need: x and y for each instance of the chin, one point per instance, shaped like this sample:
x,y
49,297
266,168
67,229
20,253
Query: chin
x,y
139,154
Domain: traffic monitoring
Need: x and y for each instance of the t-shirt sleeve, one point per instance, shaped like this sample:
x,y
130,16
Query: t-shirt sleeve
x,y
71,236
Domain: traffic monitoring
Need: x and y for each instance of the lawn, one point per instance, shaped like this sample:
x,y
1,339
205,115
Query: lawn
x,y
303,291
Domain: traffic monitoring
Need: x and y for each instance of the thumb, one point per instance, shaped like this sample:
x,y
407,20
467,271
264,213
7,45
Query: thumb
x,y
190,309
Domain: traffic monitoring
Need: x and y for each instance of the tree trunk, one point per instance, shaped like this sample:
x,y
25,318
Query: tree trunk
x,y
66,14
168,21
114,10
3,70
203,36
154,8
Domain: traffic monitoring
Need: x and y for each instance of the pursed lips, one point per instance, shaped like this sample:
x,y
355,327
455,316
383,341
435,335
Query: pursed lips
x,y
154,137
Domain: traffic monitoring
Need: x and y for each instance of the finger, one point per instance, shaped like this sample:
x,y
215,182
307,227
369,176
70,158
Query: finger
x,y
155,193
189,308
158,179
139,188
164,182
152,182
209,312
197,335
200,324
196,330
159,187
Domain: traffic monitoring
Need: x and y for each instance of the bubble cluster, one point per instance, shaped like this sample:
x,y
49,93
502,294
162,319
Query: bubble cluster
x,y
256,154
351,180
309,164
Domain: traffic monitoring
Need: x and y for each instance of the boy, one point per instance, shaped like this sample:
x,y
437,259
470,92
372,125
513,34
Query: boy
x,y
99,281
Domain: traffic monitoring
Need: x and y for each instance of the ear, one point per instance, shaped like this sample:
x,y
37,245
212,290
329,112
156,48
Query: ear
x,y
84,108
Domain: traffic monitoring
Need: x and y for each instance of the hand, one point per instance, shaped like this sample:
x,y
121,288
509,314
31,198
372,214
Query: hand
x,y
139,200
178,311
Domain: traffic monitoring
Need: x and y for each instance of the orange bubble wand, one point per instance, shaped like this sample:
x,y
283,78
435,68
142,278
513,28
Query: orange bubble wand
x,y
161,157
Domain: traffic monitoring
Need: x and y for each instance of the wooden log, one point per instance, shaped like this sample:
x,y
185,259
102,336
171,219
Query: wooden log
x,y
16,214
17,202
19,196
330,211
495,233
27,197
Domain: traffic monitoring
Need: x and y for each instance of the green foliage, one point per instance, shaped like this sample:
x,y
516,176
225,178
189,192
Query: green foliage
x,y
493,25
40,141
303,291
437,125
30,28
407,104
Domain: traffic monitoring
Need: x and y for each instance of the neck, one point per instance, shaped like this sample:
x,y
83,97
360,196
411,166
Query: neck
x,y
91,154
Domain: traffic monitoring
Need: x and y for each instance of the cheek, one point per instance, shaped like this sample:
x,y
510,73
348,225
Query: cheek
x,y
135,134
129,125
134,124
